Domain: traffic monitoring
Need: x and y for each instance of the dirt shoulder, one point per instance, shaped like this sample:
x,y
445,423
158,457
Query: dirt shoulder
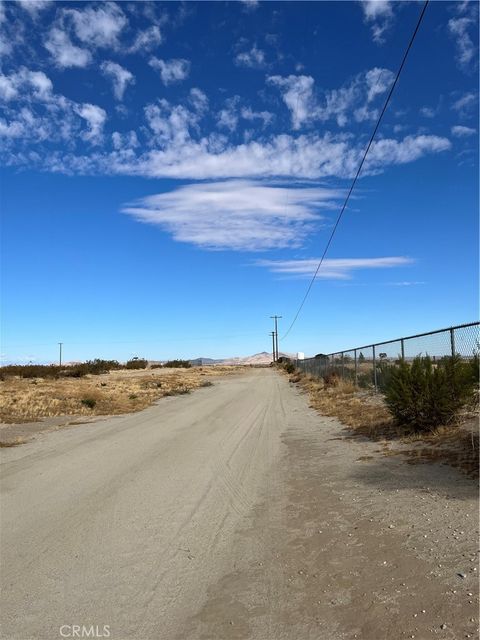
x,y
367,416
350,544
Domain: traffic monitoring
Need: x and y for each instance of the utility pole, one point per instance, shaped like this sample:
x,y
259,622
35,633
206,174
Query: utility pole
x,y
272,333
60,355
276,336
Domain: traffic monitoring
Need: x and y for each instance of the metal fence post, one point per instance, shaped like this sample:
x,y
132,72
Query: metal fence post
x,y
452,341
356,373
343,368
402,342
374,369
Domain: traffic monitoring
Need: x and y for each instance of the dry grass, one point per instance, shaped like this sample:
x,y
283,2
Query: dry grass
x,y
12,443
26,400
366,414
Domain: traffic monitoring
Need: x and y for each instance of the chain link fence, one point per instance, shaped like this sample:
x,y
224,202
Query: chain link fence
x,y
368,367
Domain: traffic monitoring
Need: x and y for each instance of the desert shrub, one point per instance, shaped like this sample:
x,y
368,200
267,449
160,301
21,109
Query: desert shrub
x,y
137,363
331,379
89,402
384,373
32,370
132,396
289,367
94,367
178,364
365,380
156,366
423,396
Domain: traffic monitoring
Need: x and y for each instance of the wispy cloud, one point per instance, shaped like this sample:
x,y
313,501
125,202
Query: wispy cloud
x,y
146,40
250,5
462,29
171,71
254,58
353,101
379,15
34,7
332,268
239,215
98,26
119,76
64,53
95,118
459,131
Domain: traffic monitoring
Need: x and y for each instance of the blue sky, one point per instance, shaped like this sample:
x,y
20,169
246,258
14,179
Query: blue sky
x,y
171,173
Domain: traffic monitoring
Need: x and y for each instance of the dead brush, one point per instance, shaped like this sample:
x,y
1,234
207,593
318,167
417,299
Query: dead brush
x,y
126,391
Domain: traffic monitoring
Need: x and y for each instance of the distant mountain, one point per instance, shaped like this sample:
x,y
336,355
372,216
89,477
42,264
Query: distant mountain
x,y
258,358
200,362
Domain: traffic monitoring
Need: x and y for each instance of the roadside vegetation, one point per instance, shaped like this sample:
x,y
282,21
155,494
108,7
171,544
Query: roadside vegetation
x,y
428,411
27,398
92,367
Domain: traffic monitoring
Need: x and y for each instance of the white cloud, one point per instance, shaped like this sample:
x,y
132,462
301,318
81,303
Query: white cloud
x,y
34,7
254,58
146,40
297,93
227,118
332,268
460,131
305,157
8,88
354,100
250,5
64,52
25,81
173,124
174,70
379,15
119,76
240,215
428,112
95,117
97,26
465,104
386,151
265,116
459,28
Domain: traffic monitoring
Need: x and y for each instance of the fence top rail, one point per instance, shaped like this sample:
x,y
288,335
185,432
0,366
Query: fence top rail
x,y
417,335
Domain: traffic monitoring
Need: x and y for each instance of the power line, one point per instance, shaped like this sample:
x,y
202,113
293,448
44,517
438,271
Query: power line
x,y
405,55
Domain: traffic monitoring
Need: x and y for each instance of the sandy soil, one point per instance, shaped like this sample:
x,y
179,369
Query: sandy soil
x,y
236,512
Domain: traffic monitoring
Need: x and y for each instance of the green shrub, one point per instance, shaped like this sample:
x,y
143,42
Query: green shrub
x,y
423,396
365,380
384,373
94,367
178,364
89,402
289,367
137,363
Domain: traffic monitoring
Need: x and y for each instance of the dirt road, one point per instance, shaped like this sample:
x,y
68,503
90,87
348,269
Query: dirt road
x,y
234,512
